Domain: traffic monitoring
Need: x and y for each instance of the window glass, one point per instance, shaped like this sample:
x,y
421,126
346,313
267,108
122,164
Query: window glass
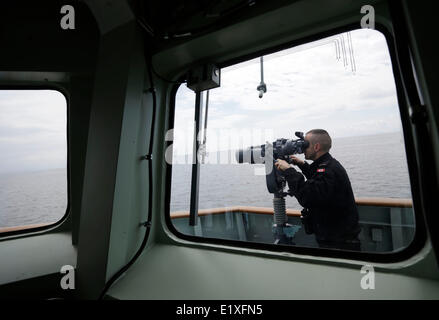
x,y
355,190
33,157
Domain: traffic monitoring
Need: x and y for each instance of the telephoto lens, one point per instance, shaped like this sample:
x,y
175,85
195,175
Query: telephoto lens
x,y
281,149
252,155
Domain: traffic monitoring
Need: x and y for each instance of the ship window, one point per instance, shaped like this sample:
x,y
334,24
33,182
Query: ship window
x,y
343,84
33,158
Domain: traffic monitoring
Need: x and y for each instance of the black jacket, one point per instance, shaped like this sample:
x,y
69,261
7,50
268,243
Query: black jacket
x,y
327,194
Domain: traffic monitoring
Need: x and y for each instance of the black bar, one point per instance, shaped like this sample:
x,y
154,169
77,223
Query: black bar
x,y
206,109
193,215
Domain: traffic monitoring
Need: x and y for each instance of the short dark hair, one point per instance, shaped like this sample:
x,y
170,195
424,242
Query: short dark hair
x,y
321,136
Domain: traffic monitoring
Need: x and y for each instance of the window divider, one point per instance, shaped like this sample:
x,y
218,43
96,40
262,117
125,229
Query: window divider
x,y
193,213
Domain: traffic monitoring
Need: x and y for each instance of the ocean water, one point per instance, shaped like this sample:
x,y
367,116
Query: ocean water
x,y
32,197
376,165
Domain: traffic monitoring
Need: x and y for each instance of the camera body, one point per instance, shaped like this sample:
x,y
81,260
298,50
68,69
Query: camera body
x,y
280,149
283,148
268,153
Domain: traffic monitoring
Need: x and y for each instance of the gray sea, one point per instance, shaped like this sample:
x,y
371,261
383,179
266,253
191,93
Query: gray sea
x,y
32,197
376,165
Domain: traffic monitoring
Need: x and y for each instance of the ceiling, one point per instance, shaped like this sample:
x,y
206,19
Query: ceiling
x,y
169,21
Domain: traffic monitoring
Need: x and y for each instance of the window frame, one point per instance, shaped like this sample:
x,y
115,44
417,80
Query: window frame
x,y
420,234
25,232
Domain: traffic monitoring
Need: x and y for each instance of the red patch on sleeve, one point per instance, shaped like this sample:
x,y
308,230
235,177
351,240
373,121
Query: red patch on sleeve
x,y
320,170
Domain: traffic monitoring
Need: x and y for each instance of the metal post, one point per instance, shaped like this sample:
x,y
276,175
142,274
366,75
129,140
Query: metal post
x,y
193,214
262,88
205,126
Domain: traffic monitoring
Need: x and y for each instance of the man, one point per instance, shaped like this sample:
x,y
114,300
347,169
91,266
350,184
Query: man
x,y
329,211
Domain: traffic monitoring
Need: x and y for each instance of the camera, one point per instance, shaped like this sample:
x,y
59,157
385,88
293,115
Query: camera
x,y
282,149
268,153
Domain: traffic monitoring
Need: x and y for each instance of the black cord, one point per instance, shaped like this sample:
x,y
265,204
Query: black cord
x,y
162,78
146,224
148,29
227,12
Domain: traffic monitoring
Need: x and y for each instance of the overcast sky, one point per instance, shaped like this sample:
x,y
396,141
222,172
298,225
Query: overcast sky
x,y
32,130
307,87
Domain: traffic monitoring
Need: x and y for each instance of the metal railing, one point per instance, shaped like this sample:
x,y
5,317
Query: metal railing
x,y
369,202
375,202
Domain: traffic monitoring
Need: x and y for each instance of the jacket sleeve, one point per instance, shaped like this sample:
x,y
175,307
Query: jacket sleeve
x,y
319,190
305,169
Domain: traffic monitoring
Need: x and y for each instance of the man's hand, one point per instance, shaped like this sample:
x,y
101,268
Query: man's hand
x,y
296,160
282,164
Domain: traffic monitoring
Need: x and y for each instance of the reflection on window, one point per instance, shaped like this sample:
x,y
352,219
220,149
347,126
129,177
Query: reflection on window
x,y
343,84
33,157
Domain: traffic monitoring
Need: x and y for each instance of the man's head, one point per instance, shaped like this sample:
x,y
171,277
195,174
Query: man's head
x,y
319,144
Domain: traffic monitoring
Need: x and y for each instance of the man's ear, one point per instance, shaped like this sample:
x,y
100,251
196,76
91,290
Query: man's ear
x,y
317,146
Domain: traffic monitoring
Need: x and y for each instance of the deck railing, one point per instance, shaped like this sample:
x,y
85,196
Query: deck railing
x,y
386,224
373,202
369,202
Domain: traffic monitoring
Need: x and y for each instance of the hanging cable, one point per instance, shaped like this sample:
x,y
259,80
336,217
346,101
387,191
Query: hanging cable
x,y
164,79
351,51
147,223
343,47
337,49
